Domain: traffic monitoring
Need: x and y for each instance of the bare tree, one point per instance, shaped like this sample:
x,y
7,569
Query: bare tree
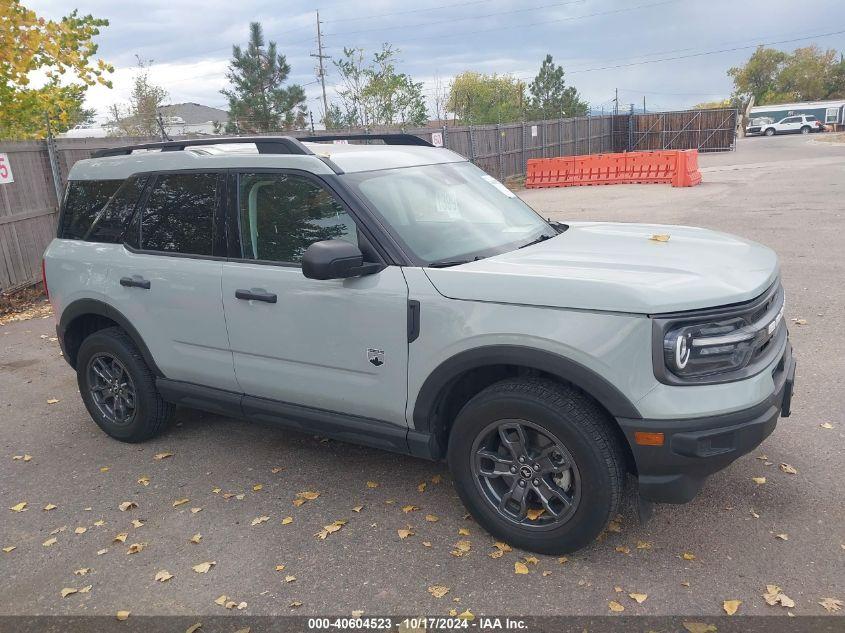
x,y
140,116
441,98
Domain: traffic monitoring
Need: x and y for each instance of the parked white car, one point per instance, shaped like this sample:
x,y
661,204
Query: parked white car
x,y
800,123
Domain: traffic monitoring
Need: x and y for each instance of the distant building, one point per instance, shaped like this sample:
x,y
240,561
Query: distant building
x,y
192,118
831,113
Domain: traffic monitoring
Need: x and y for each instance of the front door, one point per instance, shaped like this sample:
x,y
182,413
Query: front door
x,y
337,345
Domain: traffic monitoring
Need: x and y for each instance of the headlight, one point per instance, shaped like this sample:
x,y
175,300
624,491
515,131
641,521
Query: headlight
x,y
719,344
708,348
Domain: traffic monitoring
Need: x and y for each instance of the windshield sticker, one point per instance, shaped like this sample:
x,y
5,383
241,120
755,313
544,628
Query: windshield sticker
x,y
498,185
447,203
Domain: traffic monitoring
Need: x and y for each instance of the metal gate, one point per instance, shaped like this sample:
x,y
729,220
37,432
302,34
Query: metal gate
x,y
705,130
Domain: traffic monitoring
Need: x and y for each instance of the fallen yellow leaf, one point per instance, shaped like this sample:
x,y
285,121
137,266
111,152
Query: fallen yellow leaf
x,y
163,576
438,591
52,401
357,508
730,606
466,615
826,425
421,487
639,598
82,572
409,508
615,606
436,479
659,237
280,567
203,568
9,548
122,615
789,470
127,505
290,578
259,520
180,502
19,507
196,538
533,514
257,487
144,480
287,520
50,541
161,456
121,538
330,529
759,480
431,518
643,545
295,604
688,556
403,534
372,484
80,530
520,568
67,591
831,605
623,549
50,506
135,548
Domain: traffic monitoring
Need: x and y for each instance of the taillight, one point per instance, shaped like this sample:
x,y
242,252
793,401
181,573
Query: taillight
x,y
44,277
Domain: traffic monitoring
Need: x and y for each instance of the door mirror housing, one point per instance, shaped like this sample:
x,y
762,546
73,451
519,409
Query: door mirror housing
x,y
335,259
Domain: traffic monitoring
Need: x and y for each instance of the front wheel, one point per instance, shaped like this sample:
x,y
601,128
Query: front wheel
x,y
537,464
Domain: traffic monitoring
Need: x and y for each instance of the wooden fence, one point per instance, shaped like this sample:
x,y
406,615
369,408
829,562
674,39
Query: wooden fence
x,y
28,206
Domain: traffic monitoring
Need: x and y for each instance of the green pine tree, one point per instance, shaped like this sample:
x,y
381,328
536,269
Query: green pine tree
x,y
258,99
550,97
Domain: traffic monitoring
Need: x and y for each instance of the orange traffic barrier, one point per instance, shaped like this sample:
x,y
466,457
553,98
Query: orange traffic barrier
x,y
676,167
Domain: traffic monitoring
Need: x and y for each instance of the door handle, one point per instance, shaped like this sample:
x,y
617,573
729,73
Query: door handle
x,y
255,295
135,282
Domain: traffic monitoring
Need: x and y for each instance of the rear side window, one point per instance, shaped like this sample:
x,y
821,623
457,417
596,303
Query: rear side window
x,y
179,214
110,223
84,200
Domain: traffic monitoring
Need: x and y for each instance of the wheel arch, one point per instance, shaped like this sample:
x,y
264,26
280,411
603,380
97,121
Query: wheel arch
x,y
83,317
483,366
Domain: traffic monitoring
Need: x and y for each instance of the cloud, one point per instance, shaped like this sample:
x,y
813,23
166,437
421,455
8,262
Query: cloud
x,y
190,41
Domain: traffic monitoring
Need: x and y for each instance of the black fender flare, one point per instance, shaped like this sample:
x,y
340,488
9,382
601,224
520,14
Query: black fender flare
x,y
428,398
81,307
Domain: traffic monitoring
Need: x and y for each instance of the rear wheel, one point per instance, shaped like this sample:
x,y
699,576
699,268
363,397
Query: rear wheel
x,y
118,388
770,131
805,129
537,464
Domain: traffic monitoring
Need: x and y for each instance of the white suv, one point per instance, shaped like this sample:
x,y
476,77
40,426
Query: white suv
x,y
397,296
798,124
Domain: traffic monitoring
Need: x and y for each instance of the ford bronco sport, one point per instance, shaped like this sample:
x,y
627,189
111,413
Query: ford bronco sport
x,y
397,296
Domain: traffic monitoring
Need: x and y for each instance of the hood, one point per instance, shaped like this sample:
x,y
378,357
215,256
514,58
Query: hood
x,y
616,267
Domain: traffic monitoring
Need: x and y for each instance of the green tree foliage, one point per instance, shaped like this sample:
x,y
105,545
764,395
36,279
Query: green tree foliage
x,y
373,93
806,74
476,99
550,97
140,116
63,52
258,99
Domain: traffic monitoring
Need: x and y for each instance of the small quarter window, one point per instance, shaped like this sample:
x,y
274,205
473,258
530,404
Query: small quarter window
x,y
84,200
179,214
281,215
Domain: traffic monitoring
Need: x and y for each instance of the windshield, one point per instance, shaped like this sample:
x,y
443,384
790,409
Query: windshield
x,y
449,213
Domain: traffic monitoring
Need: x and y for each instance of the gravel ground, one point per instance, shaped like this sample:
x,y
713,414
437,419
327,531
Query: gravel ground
x,y
785,192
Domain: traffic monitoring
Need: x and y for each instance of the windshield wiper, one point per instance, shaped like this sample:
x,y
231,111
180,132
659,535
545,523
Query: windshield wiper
x,y
542,238
446,263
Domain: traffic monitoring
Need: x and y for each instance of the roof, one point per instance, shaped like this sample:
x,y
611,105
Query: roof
x,y
192,113
347,158
776,107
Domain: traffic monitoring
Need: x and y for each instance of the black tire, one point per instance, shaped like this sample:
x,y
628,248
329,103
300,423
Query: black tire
x,y
770,131
566,416
806,129
150,414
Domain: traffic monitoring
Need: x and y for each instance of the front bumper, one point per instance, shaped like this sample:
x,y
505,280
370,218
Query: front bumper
x,y
698,447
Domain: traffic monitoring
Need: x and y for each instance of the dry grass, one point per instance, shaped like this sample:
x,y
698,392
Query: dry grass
x,y
831,137
25,304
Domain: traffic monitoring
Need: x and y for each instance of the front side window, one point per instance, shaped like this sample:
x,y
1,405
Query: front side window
x,y
84,200
449,211
281,215
179,214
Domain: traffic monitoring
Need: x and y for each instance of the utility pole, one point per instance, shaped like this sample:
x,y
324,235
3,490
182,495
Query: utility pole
x,y
616,102
643,104
322,72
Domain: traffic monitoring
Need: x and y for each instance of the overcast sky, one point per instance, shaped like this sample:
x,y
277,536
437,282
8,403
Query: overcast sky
x,y
601,44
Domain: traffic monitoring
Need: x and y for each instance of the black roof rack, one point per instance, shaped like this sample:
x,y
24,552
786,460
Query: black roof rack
x,y
387,139
264,144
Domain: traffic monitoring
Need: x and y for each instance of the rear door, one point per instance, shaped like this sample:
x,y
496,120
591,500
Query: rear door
x,y
336,345
790,124
166,280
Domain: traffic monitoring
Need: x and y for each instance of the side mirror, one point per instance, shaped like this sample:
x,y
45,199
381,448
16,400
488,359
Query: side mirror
x,y
335,259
